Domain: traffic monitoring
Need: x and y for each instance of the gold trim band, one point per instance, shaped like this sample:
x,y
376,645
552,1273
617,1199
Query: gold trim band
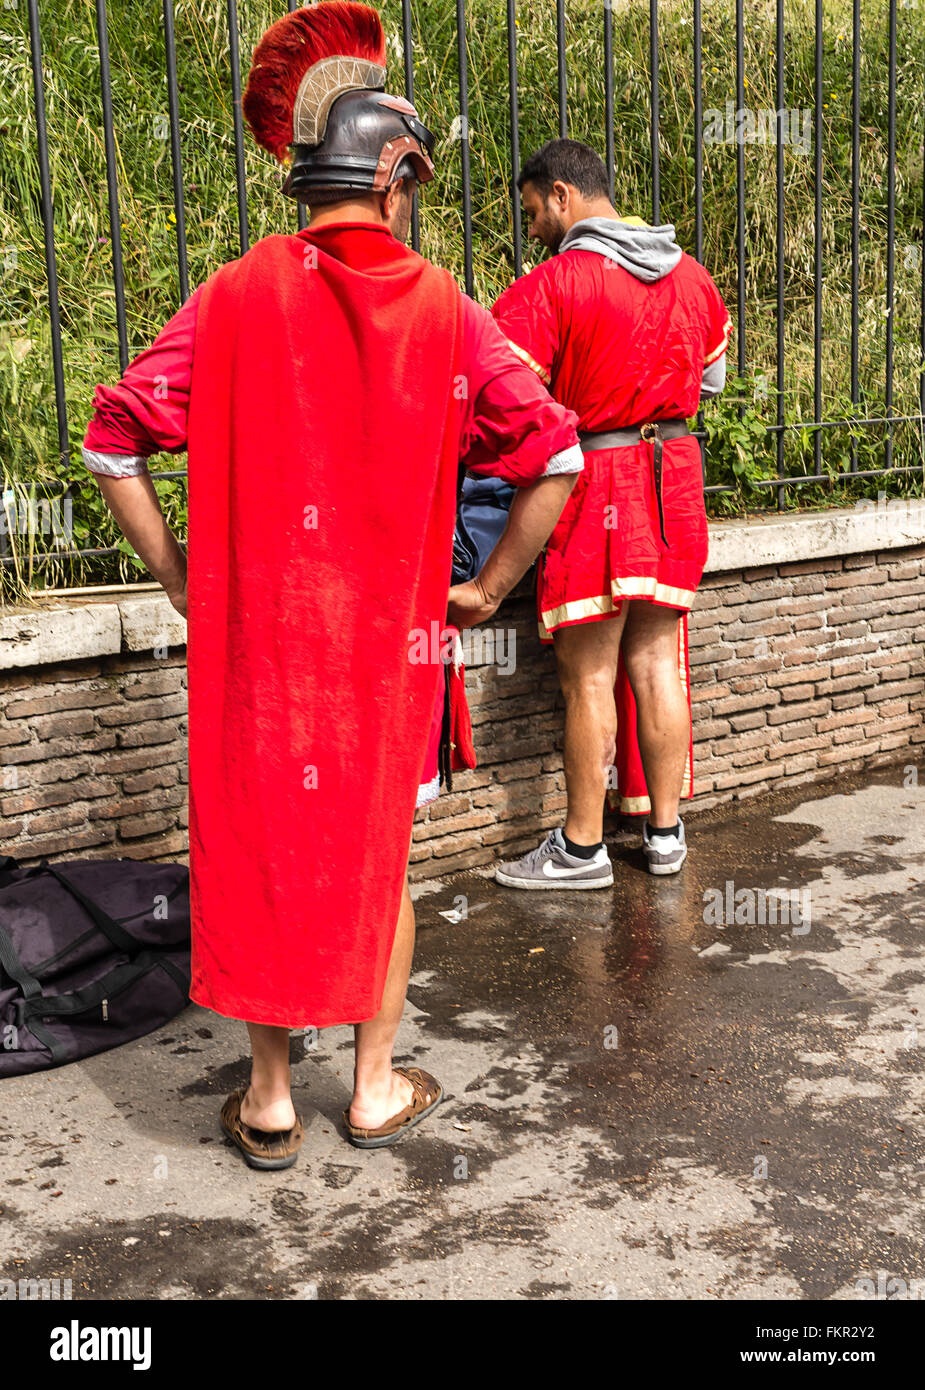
x,y
531,362
718,351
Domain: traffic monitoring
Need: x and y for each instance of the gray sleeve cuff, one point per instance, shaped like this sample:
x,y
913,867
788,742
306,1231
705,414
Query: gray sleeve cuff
x,y
570,460
714,377
115,465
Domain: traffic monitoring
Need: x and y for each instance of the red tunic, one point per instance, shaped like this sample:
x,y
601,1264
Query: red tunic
x,y
620,351
332,381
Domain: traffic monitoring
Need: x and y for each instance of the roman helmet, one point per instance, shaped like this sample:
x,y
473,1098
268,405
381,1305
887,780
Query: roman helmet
x,y
317,87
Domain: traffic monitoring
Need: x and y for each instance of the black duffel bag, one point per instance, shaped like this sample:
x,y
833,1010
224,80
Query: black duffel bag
x,y
93,953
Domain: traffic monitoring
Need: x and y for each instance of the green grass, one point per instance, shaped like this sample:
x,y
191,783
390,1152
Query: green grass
x,y
739,452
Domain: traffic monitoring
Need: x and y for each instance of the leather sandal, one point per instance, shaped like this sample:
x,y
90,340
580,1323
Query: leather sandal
x,y
428,1094
262,1148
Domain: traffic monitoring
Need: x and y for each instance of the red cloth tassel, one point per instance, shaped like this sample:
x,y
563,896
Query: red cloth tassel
x,y
462,749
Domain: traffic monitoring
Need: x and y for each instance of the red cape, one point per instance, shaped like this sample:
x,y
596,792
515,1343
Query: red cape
x,y
323,453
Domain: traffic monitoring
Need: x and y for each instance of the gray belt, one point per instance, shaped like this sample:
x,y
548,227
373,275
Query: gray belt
x,y
653,432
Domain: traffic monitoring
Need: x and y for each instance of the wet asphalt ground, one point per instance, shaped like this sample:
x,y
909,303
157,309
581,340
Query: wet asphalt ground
x,y
646,1098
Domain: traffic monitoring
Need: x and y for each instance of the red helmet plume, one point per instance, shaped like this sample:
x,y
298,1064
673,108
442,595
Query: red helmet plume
x,y
344,37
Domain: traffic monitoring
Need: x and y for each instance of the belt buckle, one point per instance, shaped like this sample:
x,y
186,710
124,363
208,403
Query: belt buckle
x,y
650,431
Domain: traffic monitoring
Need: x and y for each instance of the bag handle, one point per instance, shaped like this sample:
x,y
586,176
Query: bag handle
x,y
121,939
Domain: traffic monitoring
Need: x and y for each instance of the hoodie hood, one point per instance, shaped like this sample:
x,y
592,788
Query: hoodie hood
x,y
649,253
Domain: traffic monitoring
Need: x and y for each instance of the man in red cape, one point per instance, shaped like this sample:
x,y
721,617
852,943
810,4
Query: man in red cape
x,y
629,331
326,385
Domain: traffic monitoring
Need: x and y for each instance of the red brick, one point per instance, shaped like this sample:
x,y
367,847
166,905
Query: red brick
x,y
137,826
801,764
797,692
860,579
801,567
849,701
809,710
61,700
889,690
845,717
797,675
736,704
756,720
48,726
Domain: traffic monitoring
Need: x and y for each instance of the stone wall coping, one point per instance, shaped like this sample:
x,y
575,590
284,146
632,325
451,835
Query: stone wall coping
x,y
786,538
73,628
63,629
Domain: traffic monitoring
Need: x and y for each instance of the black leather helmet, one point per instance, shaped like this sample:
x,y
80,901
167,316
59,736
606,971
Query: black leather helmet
x,y
367,135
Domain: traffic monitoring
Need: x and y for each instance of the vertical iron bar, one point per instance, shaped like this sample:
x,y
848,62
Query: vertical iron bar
x,y
740,185
922,325
515,133
890,234
817,248
608,96
112,185
176,157
560,54
464,138
234,61
698,184
407,50
855,213
302,210
653,78
698,130
48,222
782,134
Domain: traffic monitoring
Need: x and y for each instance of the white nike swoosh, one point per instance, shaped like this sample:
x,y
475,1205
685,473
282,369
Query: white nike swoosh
x,y
550,870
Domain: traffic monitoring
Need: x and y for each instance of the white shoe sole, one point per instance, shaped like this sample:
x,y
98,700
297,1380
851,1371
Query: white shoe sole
x,y
662,869
556,885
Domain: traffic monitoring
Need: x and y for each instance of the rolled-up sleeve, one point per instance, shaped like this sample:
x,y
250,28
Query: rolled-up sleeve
x,y
512,428
146,411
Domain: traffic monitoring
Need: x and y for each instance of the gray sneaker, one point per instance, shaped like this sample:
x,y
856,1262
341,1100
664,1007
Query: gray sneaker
x,y
665,853
551,866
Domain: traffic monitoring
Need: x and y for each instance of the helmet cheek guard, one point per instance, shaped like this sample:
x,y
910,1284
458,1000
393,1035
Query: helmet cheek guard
x,y
392,154
417,145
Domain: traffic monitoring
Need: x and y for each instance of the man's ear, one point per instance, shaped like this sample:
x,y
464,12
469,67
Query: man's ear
x,y
392,197
562,193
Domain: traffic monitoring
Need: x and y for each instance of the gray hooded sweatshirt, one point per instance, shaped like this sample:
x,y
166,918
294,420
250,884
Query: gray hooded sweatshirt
x,y
649,253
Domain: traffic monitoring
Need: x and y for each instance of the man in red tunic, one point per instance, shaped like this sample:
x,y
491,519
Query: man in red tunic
x,y
630,332
326,386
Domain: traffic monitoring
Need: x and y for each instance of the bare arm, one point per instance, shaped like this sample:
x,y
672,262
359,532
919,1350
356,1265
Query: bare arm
x,y
137,510
532,519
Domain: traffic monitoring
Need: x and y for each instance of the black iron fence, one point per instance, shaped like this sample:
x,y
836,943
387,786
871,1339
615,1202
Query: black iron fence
x,y
737,123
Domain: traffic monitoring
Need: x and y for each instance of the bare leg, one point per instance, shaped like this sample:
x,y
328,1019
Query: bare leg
x,y
377,1092
587,659
650,654
268,1103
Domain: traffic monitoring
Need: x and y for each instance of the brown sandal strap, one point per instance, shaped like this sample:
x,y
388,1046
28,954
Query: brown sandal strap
x,y
426,1089
260,1143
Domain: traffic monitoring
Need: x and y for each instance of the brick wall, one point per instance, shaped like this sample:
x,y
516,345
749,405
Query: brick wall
x,y
804,670
93,759
798,671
